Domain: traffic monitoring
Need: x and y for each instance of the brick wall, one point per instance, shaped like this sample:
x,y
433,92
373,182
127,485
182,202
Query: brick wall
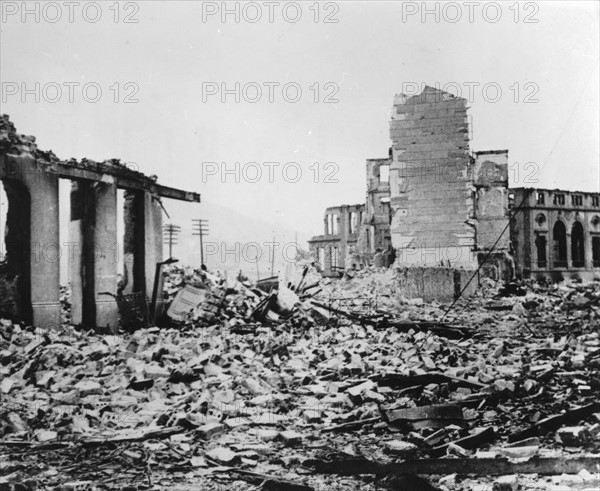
x,y
430,178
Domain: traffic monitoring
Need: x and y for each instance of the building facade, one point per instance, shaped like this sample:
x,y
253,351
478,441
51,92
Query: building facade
x,y
435,203
374,234
332,249
556,234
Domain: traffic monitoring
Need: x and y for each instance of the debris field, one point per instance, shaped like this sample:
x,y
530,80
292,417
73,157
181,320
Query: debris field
x,y
311,384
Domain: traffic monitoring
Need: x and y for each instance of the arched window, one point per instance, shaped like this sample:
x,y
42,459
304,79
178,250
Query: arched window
x,y
540,243
559,235
577,247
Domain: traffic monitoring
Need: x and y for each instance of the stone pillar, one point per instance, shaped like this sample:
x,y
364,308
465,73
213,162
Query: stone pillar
x,y
75,244
94,258
41,182
153,248
106,253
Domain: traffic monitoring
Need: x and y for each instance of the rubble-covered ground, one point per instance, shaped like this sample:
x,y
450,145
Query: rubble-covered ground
x,y
284,390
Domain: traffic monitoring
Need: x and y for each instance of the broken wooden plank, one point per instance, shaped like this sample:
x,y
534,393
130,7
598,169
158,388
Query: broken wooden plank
x,y
382,322
399,381
469,442
440,411
552,423
434,416
481,467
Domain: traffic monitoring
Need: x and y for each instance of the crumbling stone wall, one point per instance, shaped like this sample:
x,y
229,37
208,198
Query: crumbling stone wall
x,y
434,283
430,181
29,279
343,241
375,227
490,183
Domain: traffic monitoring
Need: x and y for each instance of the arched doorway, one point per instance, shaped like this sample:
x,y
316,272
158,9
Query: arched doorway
x,y
559,235
577,246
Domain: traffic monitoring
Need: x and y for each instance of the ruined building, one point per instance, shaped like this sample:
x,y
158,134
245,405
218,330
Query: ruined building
x,y
446,209
375,228
356,234
556,235
29,277
333,249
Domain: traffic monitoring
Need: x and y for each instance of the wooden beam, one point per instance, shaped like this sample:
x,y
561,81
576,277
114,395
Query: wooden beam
x,y
482,467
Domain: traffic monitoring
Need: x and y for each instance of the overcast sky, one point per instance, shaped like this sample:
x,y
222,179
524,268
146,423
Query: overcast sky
x,y
533,89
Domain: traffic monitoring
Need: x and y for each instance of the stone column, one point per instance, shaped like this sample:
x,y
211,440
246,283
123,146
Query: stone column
x,y
41,182
106,253
94,256
75,250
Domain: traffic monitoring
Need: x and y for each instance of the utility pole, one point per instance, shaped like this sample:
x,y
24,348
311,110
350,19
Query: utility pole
x,y
200,228
170,233
273,256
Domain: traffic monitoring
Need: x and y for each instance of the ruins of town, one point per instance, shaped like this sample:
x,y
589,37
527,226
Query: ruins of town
x,y
301,246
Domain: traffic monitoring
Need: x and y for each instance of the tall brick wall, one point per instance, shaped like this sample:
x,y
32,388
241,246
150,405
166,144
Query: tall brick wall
x,y
430,180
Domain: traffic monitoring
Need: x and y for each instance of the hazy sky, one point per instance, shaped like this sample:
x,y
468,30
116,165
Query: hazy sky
x,y
546,110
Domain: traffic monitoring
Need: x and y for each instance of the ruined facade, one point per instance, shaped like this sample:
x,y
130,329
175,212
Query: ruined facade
x,y
447,209
445,202
375,228
556,234
337,245
30,272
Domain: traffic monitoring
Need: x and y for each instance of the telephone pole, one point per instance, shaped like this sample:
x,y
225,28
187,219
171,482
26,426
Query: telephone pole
x,y
170,233
200,228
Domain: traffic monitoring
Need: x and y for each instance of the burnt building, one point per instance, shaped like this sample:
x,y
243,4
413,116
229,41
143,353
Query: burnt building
x,y
375,229
448,211
29,276
332,249
555,234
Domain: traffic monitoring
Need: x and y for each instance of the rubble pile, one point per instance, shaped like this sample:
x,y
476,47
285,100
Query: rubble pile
x,y
333,386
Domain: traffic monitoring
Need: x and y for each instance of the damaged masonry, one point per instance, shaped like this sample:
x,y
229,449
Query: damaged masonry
x,y
438,212
29,280
387,378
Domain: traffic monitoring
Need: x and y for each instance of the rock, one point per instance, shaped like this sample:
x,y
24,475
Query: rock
x,y
267,435
88,387
45,435
222,455
253,386
156,372
291,438
361,388
506,483
17,425
586,476
400,448
571,479
209,430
